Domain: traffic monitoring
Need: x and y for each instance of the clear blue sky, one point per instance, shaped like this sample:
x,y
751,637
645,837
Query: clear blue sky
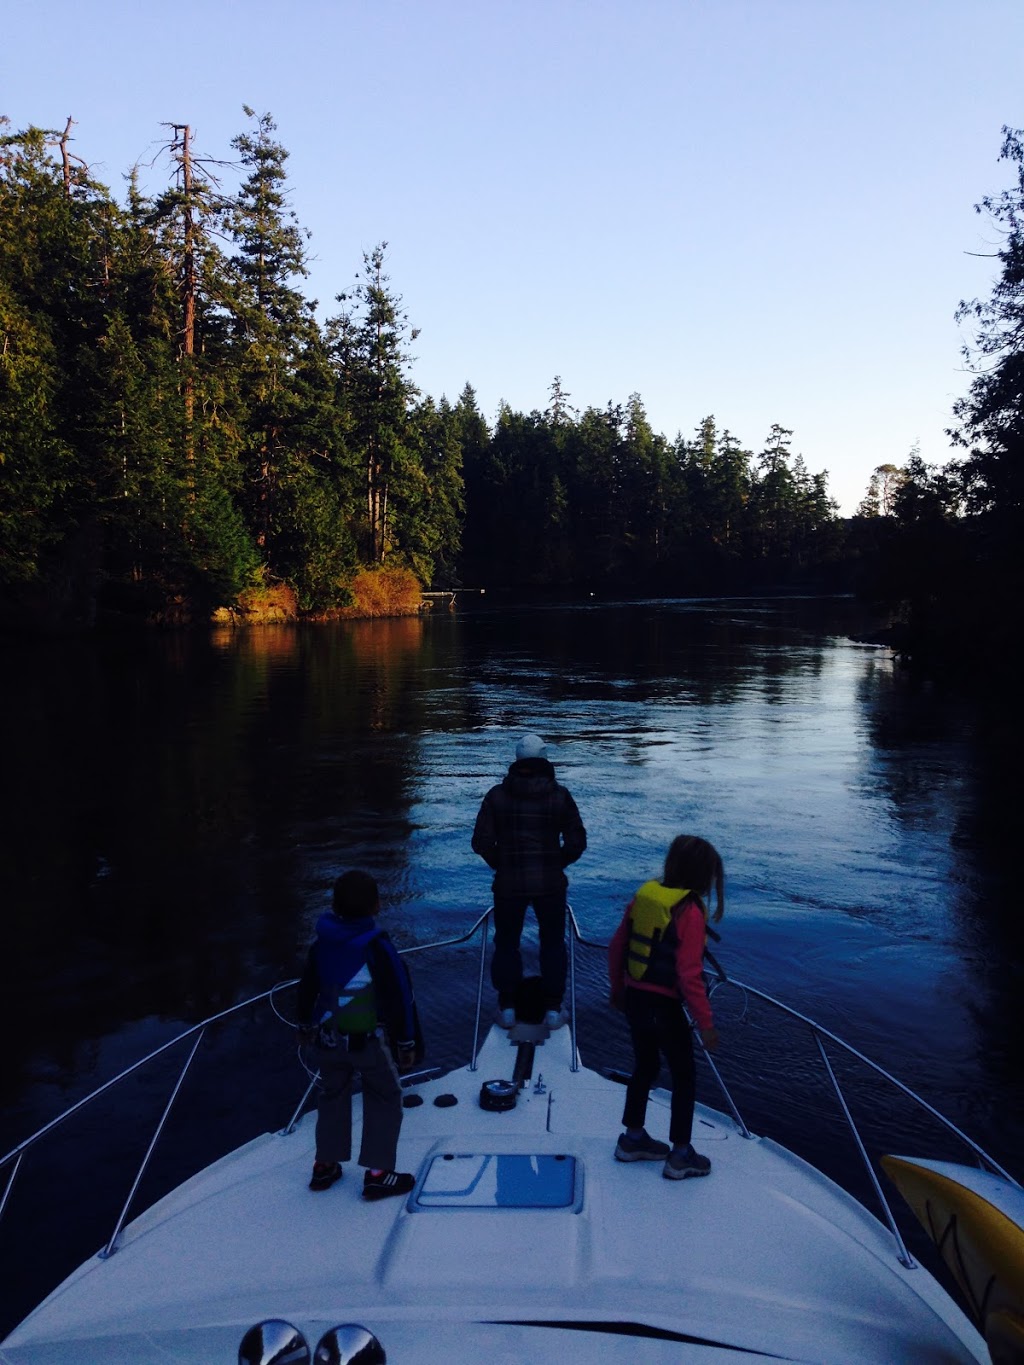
x,y
760,209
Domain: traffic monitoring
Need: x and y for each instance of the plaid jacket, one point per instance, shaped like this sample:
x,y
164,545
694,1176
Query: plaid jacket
x,y
528,830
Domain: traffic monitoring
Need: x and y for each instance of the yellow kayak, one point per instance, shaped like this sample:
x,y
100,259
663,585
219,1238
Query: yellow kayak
x,y
976,1219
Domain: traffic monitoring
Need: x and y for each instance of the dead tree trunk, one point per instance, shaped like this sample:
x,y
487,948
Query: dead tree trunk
x,y
182,149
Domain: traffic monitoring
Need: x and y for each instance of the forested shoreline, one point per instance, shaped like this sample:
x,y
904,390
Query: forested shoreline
x,y
181,432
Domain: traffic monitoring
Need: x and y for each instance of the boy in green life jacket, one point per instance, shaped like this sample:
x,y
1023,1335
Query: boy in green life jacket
x,y
356,1005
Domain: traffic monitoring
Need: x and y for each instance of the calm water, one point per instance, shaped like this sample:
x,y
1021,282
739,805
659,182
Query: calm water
x,y
178,806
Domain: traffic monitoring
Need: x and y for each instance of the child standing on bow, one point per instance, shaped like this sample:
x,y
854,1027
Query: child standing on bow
x,y
356,1005
655,966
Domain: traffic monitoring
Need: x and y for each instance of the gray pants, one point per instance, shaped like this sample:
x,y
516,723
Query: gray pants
x,y
382,1104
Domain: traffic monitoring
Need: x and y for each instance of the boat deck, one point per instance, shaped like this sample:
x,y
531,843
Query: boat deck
x,y
524,1240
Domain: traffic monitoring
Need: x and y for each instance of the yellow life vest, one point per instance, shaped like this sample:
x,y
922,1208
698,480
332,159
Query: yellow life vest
x,y
651,953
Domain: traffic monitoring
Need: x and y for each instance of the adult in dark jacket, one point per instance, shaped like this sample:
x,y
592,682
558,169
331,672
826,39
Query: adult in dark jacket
x,y
529,830
356,1005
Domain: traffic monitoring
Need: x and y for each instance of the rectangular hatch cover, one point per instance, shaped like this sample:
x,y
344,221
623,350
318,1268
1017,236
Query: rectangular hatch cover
x,y
492,1180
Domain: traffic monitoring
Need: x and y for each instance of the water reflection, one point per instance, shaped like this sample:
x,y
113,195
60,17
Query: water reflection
x,y
646,651
179,805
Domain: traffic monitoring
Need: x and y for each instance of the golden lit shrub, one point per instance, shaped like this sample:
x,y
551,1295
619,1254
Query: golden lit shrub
x,y
260,604
384,592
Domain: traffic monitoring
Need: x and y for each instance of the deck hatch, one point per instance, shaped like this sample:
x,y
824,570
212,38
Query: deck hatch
x,y
498,1180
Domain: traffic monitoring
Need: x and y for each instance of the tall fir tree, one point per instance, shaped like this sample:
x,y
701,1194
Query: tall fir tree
x,y
990,419
272,328
54,233
369,341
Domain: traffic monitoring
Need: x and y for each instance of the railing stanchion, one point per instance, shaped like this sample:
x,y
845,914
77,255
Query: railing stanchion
x,y
286,1132
480,988
744,1130
988,1163
573,934
904,1255
13,1158
111,1246
10,1183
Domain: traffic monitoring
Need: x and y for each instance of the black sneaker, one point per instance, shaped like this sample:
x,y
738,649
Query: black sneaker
x,y
681,1165
324,1175
643,1148
386,1183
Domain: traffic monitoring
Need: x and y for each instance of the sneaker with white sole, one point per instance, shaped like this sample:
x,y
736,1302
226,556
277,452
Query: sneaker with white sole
x,y
680,1165
555,1019
381,1184
644,1148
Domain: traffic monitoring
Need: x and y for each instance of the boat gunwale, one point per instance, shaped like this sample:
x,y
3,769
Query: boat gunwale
x,y
13,1158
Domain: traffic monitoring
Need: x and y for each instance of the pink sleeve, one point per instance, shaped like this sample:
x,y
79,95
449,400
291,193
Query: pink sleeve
x,y
617,954
691,930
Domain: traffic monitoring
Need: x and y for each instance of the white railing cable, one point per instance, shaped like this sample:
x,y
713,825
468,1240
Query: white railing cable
x,y
135,1066
13,1158
948,1124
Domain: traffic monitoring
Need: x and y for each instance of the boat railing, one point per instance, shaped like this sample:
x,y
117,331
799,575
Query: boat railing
x,y
820,1035
11,1163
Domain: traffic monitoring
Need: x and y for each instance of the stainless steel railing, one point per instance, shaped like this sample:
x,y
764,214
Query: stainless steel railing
x,y
14,1157
12,1161
820,1035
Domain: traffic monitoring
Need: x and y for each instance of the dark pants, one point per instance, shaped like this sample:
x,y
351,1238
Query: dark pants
x,y
507,963
659,1028
382,1104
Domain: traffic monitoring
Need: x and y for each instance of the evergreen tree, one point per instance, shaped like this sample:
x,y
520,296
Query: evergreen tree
x,y
728,485
474,441
524,501
272,325
709,524
773,496
430,504
173,403
990,420
694,528
188,219
53,220
593,473
207,554
989,423
559,412
641,494
369,342
36,460
320,494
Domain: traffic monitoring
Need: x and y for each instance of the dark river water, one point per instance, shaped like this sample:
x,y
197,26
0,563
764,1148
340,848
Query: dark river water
x,y
177,807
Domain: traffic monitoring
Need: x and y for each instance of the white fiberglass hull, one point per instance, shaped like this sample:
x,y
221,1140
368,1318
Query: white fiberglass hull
x,y
589,1260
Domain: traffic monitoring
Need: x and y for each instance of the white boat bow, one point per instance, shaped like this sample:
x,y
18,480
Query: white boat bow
x,y
523,1240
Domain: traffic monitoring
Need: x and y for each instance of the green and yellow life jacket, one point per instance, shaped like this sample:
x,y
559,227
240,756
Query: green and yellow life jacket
x,y
651,952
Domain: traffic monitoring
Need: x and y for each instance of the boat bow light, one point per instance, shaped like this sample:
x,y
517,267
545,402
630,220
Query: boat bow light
x,y
349,1344
274,1342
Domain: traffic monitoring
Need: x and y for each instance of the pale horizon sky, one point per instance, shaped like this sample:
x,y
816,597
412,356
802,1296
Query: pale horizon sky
x,y
757,209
